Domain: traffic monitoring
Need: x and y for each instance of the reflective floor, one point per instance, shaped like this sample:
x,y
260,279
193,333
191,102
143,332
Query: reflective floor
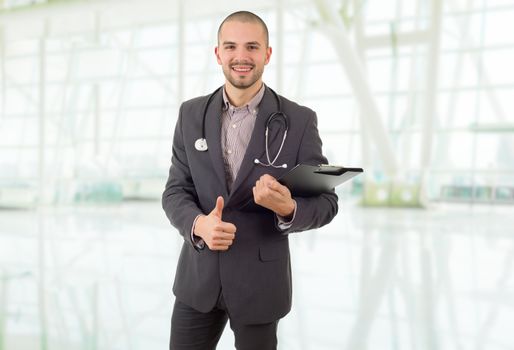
x,y
100,278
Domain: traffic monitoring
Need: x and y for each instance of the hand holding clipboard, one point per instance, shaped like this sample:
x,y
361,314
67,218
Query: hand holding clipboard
x,y
310,180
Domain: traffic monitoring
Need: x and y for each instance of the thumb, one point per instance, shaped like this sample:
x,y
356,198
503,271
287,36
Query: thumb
x,y
277,186
218,209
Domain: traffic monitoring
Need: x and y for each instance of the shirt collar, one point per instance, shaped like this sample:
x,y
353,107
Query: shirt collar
x,y
251,105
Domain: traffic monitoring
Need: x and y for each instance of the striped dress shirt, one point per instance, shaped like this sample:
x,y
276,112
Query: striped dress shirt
x,y
236,130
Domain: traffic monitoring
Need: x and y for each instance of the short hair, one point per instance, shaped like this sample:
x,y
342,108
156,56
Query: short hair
x,y
245,17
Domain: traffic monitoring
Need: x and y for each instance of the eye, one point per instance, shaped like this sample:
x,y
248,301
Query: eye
x,y
229,47
253,47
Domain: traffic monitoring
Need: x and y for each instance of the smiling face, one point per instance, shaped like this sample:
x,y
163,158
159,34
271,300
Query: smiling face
x,y
242,52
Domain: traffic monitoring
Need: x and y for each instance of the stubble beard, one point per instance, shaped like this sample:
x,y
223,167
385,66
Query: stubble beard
x,y
246,82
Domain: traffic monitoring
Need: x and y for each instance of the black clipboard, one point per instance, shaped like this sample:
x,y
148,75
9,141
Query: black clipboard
x,y
310,180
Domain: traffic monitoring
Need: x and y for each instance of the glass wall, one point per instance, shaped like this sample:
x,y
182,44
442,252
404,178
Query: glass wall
x,y
89,96
88,113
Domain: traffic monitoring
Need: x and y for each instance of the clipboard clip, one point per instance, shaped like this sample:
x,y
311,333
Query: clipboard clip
x,y
328,169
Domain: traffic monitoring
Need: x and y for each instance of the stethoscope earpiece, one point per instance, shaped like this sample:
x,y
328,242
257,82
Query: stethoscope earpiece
x,y
256,161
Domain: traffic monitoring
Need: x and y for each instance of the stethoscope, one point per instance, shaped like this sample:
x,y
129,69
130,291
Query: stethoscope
x,y
201,143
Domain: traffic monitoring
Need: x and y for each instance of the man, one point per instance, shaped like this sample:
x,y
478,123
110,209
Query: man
x,y
223,197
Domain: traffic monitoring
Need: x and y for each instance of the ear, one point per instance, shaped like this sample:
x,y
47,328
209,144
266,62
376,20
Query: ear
x,y
217,53
268,54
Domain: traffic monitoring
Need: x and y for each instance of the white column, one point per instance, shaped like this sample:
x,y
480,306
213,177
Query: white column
x,y
2,73
430,109
336,32
3,307
96,93
279,56
359,46
181,51
42,190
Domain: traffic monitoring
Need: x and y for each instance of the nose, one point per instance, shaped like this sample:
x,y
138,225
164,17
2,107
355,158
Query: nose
x,y
241,54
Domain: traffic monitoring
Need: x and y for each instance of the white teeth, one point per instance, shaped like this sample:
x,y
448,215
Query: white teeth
x,y
238,69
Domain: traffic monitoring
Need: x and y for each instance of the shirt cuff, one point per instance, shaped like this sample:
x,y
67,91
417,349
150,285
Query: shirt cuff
x,y
282,223
197,241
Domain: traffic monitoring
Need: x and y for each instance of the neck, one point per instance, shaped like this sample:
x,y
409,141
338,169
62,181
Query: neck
x,y
240,97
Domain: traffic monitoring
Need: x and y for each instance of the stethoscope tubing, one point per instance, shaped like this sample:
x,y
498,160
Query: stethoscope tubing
x,y
201,143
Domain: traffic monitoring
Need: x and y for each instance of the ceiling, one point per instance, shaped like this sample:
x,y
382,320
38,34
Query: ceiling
x,y
62,16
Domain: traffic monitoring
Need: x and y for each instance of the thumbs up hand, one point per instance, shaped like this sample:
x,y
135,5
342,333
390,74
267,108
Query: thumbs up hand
x,y
217,234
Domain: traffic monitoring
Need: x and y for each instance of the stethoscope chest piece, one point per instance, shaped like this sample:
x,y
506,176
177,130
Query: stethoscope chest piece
x,y
201,145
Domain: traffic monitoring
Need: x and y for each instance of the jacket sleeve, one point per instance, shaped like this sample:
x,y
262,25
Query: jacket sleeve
x,y
316,211
180,199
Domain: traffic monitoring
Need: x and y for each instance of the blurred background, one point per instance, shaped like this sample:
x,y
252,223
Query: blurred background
x,y
420,93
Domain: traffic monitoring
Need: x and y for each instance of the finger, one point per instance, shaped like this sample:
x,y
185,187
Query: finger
x,y
221,243
274,185
257,194
277,186
267,178
227,227
224,230
218,247
263,186
218,209
217,236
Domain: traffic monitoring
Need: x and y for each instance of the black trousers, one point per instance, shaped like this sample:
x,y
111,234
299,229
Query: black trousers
x,y
195,330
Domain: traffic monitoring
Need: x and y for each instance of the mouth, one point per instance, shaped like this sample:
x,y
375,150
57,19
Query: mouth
x,y
242,69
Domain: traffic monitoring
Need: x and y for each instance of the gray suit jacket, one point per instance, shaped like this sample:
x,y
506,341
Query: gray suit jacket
x,y
255,273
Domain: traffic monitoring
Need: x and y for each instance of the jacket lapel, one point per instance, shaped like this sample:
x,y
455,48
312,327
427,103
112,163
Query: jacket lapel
x,y
256,147
213,137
